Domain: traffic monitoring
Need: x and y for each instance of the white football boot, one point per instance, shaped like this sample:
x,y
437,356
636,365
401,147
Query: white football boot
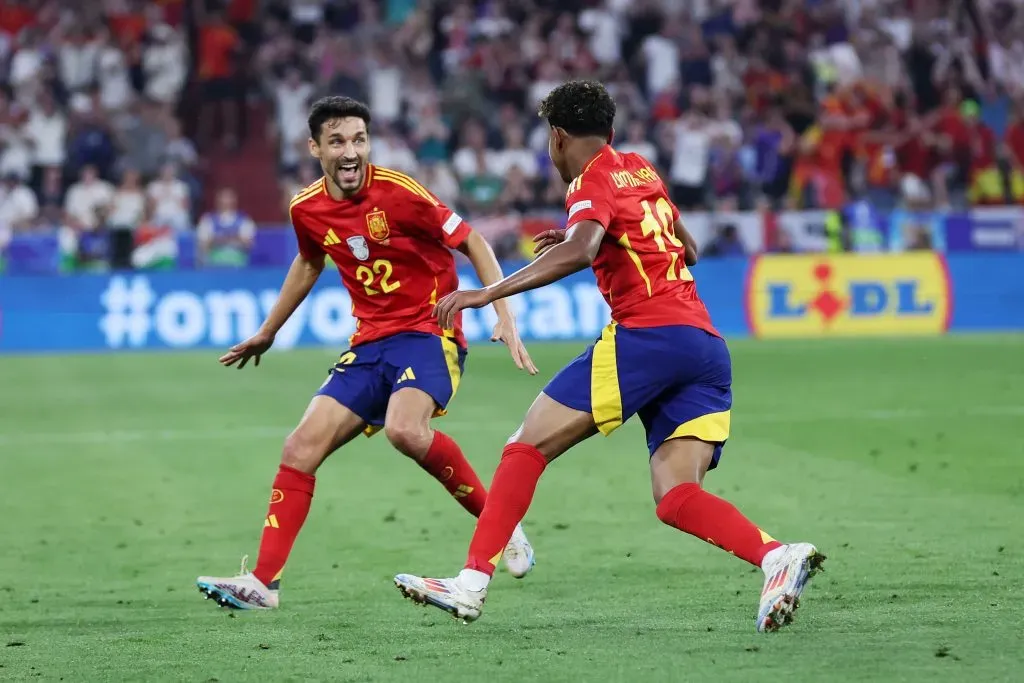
x,y
244,591
786,572
518,554
447,594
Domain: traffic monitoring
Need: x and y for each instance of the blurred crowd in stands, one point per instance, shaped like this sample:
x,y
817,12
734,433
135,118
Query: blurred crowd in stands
x,y
110,109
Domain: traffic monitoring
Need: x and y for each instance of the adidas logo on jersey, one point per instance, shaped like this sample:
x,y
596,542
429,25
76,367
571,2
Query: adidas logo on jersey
x,y
331,239
408,374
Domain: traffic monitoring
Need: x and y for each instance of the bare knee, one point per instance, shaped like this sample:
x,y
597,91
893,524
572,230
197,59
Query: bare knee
x,y
302,453
677,462
409,437
546,446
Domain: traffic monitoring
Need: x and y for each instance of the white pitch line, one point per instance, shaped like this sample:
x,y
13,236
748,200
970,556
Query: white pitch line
x,y
503,426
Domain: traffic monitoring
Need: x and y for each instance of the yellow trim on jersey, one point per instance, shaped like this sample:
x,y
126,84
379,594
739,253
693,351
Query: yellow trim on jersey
x,y
302,195
370,430
713,427
605,398
405,181
407,178
635,258
592,162
307,192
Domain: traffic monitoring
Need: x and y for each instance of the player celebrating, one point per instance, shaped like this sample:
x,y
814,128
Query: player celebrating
x,y
390,240
623,225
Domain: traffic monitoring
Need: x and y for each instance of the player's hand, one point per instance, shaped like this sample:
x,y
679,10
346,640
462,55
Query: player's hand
x,y
253,347
447,307
547,239
505,331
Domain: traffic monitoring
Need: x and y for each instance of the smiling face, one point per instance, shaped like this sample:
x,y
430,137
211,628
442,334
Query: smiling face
x,y
343,149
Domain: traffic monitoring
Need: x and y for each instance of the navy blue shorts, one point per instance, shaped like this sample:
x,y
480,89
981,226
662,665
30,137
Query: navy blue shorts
x,y
678,379
365,376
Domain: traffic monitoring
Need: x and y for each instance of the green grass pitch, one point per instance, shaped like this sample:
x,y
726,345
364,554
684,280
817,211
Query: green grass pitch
x,y
125,476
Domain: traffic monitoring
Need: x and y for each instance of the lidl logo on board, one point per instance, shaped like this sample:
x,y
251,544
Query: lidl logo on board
x,y
810,295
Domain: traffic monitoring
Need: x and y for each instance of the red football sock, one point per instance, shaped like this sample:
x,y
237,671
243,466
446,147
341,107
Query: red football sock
x,y
446,463
511,492
289,505
689,508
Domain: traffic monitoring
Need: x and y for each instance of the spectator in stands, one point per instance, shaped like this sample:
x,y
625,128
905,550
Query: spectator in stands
x,y
952,148
390,150
477,167
19,209
292,96
127,212
143,137
78,59
985,180
83,235
661,57
169,199
164,65
430,133
181,152
218,49
438,177
88,201
1013,151
51,199
225,234
91,141
774,143
306,173
116,92
15,150
26,65
47,131
516,155
517,196
726,243
691,135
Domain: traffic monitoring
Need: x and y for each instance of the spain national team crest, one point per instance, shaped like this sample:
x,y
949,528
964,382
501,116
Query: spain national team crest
x,y
360,249
377,225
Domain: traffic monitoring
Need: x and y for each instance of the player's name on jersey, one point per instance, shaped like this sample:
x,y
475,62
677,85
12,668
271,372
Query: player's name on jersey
x,y
636,178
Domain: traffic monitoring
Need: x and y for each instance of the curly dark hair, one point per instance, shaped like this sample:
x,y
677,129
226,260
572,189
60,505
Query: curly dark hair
x,y
335,107
581,108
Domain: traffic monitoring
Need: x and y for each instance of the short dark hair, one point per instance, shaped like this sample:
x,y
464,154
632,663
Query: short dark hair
x,y
581,108
335,107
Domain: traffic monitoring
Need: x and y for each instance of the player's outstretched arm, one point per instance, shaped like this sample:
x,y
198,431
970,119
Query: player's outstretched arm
x,y
577,252
488,270
690,256
301,277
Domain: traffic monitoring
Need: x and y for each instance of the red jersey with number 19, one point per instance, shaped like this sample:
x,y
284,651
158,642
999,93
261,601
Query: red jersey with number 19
x,y
640,267
390,242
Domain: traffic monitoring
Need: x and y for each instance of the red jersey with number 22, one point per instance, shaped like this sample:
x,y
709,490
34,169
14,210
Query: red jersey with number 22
x,y
390,242
640,267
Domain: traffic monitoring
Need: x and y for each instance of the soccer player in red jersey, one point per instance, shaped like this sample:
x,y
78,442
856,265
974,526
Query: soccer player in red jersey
x,y
390,239
622,224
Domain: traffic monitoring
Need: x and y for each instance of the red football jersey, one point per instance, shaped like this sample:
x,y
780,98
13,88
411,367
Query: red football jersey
x,y
390,242
640,267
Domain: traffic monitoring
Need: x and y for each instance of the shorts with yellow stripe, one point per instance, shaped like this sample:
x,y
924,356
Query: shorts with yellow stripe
x,y
677,378
366,375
